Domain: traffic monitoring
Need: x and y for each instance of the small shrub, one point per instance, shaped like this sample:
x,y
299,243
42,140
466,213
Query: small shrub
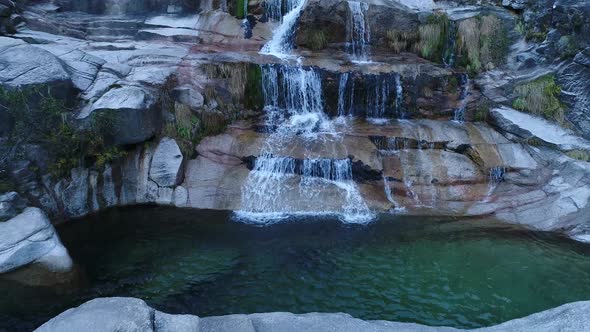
x,y
317,40
567,46
579,155
541,97
401,41
482,43
536,36
453,84
433,36
41,119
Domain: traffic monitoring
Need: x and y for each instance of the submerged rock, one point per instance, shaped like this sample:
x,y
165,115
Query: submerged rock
x,y
130,315
30,238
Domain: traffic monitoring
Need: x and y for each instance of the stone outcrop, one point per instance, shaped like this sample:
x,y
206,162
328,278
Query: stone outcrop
x,y
166,167
30,238
130,315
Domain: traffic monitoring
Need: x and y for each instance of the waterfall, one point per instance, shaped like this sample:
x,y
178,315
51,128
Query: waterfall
x,y
399,96
273,9
464,94
359,34
379,96
279,186
495,177
342,89
281,43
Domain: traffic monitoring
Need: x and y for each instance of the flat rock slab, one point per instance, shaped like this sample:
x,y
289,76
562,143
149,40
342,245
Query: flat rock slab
x,y
528,126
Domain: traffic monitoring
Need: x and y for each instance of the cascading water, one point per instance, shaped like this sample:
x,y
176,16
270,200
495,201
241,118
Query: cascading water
x,y
465,83
274,8
399,96
280,186
495,177
342,88
382,96
359,34
281,43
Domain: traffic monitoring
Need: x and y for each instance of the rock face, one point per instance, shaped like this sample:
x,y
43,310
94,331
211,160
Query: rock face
x,y
166,168
30,238
574,78
333,16
130,315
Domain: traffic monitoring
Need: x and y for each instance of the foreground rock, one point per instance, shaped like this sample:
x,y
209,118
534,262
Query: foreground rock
x,y
129,314
30,238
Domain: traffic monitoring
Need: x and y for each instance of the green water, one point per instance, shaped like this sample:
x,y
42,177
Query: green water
x,y
430,271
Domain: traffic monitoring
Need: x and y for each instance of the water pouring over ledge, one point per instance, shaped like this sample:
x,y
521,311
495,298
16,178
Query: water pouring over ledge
x,y
279,186
294,108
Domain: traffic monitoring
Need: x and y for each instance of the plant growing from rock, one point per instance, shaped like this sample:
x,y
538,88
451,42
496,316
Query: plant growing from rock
x,y
433,36
317,40
482,43
41,119
401,41
541,97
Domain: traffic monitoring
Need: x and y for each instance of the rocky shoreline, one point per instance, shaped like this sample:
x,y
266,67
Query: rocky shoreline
x,y
129,314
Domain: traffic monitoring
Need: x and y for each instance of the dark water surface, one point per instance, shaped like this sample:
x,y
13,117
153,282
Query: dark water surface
x,y
433,271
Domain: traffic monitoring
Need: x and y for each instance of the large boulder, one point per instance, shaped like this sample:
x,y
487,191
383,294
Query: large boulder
x,y
166,169
133,110
23,65
130,315
30,238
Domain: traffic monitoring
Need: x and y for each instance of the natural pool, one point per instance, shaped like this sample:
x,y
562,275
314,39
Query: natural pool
x,y
435,271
